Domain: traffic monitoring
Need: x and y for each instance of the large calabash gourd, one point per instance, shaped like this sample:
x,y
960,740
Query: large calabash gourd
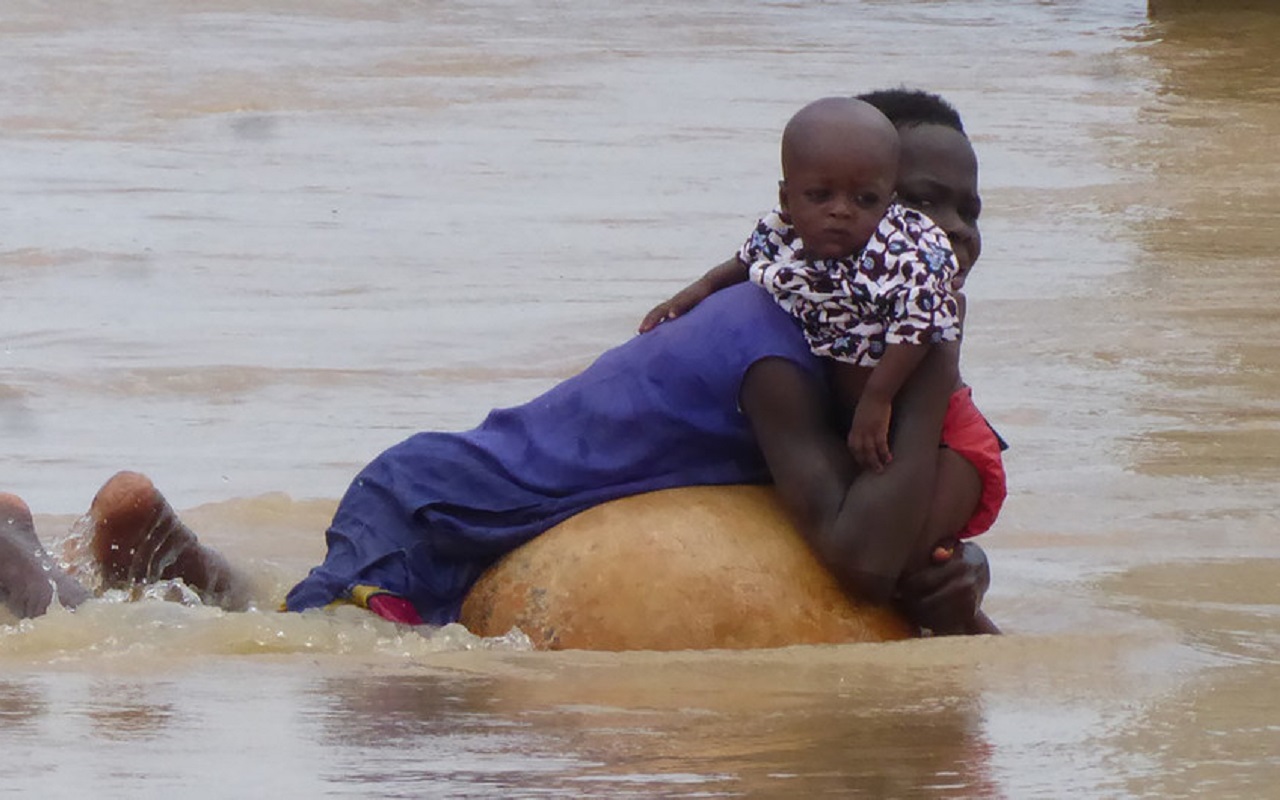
x,y
682,569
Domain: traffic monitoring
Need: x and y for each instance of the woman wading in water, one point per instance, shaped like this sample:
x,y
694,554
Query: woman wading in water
x,y
728,393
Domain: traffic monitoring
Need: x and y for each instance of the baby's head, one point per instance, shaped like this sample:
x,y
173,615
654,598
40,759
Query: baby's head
x,y
839,167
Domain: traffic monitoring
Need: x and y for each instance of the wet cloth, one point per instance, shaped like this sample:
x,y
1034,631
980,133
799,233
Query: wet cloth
x,y
968,433
897,290
429,515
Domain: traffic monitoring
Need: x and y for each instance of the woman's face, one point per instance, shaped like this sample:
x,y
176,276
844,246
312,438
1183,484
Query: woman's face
x,y
938,175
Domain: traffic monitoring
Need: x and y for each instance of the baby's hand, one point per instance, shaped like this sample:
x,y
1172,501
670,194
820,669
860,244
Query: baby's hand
x,y
869,435
680,304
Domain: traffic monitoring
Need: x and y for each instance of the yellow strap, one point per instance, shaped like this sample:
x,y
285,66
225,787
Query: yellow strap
x,y
360,595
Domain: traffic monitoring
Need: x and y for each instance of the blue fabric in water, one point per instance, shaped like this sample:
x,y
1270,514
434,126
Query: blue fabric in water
x,y
429,515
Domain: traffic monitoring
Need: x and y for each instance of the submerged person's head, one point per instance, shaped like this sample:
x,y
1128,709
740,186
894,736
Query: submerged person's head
x,y
839,167
937,168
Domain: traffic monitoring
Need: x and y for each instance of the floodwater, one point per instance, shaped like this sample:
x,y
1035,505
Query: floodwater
x,y
249,243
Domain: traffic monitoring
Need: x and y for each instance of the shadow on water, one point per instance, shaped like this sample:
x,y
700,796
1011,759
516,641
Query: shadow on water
x,y
1218,732
1163,10
1205,339
666,725
1212,347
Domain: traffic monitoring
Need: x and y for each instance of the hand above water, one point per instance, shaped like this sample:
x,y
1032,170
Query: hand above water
x,y
945,596
681,303
869,434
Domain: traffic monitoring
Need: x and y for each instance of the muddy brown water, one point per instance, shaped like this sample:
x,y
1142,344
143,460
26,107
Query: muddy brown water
x,y
250,243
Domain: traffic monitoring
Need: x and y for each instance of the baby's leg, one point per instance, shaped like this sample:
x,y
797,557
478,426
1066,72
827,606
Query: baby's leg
x,y
28,575
138,538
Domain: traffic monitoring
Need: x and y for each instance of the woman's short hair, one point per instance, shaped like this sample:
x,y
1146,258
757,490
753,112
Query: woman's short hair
x,y
907,108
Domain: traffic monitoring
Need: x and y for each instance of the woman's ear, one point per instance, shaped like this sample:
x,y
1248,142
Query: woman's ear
x,y
782,195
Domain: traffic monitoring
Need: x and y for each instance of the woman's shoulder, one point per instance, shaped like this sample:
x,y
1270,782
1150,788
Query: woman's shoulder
x,y
743,324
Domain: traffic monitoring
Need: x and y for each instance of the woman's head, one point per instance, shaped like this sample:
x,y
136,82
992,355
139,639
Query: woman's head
x,y
937,170
907,108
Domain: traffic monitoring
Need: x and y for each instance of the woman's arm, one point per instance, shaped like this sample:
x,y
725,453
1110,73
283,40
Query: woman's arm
x,y
867,528
721,276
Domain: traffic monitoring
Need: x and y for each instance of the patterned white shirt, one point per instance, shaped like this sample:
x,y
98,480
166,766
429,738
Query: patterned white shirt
x,y
896,290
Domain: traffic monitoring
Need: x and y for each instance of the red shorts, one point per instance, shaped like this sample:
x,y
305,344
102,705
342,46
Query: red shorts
x,y
968,433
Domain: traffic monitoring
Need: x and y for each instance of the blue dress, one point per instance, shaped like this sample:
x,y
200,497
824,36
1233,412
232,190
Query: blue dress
x,y
429,515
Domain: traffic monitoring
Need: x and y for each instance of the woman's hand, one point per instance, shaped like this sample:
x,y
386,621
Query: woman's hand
x,y
945,595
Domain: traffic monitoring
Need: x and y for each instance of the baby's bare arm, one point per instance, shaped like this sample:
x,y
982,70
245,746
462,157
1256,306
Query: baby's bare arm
x,y
869,434
721,276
